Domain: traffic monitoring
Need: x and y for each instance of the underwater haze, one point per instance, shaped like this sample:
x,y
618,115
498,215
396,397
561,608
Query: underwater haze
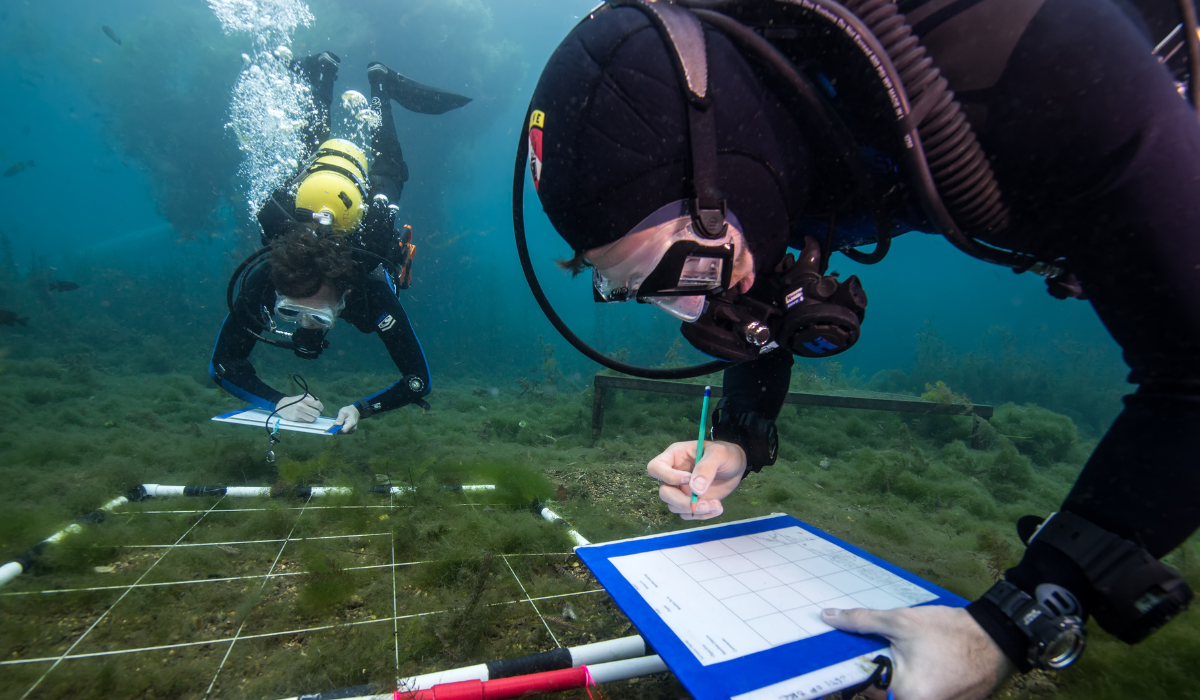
x,y
139,137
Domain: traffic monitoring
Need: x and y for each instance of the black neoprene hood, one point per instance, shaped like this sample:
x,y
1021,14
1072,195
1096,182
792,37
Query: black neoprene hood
x,y
610,135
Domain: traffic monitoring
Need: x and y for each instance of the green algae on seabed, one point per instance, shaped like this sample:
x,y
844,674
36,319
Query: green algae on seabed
x,y
905,488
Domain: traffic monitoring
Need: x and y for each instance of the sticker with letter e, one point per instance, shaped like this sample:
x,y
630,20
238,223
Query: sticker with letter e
x,y
537,121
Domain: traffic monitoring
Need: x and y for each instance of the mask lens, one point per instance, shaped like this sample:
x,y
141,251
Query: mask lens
x,y
686,309
701,273
304,315
320,320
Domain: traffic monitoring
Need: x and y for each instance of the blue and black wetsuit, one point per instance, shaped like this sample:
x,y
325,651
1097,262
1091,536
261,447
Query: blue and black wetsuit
x,y
371,305
371,301
1099,161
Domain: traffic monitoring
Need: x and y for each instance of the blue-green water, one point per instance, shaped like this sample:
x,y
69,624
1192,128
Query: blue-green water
x,y
139,194
136,171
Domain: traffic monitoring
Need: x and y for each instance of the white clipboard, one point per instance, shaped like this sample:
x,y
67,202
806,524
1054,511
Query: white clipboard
x,y
257,417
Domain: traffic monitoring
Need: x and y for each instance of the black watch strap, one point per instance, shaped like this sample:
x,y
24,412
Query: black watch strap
x,y
1003,631
755,434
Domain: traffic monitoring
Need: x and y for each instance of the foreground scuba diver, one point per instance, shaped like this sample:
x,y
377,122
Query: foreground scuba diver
x,y
333,252
681,152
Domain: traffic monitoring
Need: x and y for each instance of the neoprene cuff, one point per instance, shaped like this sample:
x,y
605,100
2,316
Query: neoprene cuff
x,y
1004,632
1042,563
754,434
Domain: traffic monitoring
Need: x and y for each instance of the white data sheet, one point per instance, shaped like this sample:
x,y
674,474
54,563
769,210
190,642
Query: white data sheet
x,y
731,597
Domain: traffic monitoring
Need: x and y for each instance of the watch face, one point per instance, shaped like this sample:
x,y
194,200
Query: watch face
x,y
1066,646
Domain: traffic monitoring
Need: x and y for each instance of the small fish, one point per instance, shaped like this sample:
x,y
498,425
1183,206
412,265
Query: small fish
x,y
562,493
63,286
19,167
111,34
10,318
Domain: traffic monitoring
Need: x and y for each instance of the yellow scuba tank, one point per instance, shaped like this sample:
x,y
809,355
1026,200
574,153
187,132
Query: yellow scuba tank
x,y
334,186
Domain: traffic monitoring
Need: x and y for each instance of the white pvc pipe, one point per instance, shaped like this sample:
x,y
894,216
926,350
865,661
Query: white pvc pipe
x,y
587,654
609,650
114,503
577,538
73,528
425,681
160,490
252,491
13,569
464,487
627,668
10,571
331,491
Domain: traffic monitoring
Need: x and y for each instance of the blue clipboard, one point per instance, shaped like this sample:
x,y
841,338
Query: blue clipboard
x,y
768,577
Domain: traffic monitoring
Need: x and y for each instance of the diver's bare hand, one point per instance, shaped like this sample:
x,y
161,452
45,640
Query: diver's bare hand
x,y
717,475
940,653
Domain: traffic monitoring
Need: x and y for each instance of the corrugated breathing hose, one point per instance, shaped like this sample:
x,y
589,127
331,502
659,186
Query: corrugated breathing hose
x,y
957,162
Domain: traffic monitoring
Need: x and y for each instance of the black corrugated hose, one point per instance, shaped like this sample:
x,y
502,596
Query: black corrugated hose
x,y
957,162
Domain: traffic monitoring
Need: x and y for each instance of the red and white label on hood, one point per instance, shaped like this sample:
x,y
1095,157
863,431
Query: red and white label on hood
x,y
537,120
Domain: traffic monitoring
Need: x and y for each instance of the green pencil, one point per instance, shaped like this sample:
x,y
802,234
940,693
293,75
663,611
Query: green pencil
x,y
700,439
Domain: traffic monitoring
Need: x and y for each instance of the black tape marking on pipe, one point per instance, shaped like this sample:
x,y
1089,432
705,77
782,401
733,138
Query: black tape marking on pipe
x,y
552,660
204,490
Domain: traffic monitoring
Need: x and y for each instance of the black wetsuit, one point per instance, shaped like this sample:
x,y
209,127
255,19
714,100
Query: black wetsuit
x,y
1099,160
371,302
371,306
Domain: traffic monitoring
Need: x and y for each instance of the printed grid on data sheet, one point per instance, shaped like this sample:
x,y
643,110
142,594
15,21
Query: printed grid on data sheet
x,y
732,597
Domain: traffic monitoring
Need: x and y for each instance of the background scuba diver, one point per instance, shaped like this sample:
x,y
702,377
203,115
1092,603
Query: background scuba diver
x,y
333,251
665,192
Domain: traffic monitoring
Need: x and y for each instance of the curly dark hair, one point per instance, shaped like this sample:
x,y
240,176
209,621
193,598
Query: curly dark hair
x,y
301,262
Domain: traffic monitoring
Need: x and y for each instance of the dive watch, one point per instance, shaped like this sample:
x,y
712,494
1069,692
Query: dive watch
x,y
1055,641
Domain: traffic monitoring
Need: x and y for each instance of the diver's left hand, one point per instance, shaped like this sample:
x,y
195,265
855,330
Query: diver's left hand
x,y
940,653
347,417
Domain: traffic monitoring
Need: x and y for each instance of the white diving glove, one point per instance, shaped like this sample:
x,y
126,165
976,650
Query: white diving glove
x,y
347,417
302,409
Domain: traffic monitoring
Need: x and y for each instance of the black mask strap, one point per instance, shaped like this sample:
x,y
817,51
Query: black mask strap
x,y
683,34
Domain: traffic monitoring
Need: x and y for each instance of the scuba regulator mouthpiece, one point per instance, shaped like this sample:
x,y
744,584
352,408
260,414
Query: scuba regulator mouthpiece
x,y
808,313
309,343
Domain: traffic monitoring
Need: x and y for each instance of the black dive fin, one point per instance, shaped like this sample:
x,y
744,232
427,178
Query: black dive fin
x,y
424,99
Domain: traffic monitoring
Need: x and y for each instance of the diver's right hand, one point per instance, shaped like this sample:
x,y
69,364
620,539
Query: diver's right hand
x,y
304,408
717,475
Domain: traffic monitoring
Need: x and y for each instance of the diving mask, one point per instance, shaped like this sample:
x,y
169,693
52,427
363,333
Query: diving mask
x,y
307,313
664,261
